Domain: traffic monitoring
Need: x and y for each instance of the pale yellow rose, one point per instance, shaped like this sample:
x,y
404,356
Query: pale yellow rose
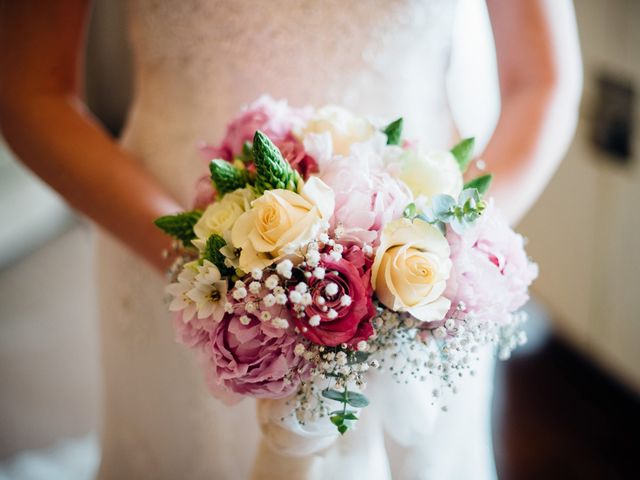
x,y
431,173
344,127
411,268
219,217
281,221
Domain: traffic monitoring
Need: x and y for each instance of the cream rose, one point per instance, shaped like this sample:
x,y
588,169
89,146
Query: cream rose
x,y
431,173
219,217
280,221
411,268
344,127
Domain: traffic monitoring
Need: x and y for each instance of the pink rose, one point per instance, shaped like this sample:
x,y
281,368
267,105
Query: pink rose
x,y
294,153
491,272
276,119
367,197
256,359
346,293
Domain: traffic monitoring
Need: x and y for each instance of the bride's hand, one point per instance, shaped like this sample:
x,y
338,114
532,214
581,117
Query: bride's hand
x,y
285,435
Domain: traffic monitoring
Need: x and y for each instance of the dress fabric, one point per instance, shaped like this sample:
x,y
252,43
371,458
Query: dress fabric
x,y
196,63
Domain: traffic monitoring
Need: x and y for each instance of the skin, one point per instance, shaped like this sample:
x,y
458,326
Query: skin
x,y
46,123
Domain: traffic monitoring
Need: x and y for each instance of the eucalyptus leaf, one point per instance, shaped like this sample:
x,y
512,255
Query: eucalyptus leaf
x,y
333,395
442,204
463,152
410,211
357,400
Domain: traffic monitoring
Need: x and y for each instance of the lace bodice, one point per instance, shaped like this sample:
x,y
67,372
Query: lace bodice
x,y
198,61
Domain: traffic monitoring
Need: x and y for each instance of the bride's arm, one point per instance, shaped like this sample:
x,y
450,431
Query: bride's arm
x,y
540,83
47,125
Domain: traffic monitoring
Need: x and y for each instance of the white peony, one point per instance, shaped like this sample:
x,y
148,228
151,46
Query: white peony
x,y
430,173
344,127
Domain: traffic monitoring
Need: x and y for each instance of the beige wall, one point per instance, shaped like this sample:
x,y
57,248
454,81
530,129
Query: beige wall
x,y
585,229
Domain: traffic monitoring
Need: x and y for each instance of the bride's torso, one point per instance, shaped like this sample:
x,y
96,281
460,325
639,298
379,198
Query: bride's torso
x,y
197,62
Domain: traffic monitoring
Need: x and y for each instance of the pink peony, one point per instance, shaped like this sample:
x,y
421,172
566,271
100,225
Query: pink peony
x,y
254,359
367,197
276,119
194,333
345,290
491,272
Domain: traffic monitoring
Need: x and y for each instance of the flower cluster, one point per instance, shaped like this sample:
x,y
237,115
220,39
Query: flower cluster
x,y
322,245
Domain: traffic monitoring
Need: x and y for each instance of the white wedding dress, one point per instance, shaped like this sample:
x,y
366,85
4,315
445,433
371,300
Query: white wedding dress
x,y
196,63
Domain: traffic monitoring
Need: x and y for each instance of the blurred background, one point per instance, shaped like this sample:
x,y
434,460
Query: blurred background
x,y
567,405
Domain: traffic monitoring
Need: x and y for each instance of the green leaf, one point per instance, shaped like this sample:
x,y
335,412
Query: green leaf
x,y
337,419
480,183
333,395
227,177
393,131
342,429
272,170
350,416
357,400
212,253
463,152
180,225
410,211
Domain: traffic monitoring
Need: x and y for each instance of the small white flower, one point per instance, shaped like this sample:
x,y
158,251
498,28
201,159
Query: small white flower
x,y
255,287
238,284
228,307
281,299
319,272
362,346
302,287
338,248
307,299
209,292
345,300
280,323
440,332
324,238
178,290
269,300
295,297
239,293
284,268
245,320
331,289
314,321
299,349
272,282
251,307
265,316
332,314
256,274
335,256
313,257
320,301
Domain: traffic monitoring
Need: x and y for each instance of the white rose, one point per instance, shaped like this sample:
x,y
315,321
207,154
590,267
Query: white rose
x,y
431,173
281,221
411,268
219,217
344,127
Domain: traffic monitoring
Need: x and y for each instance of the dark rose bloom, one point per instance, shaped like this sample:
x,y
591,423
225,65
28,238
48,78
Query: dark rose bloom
x,y
294,153
342,306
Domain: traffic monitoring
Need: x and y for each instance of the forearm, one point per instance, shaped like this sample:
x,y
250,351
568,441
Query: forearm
x,y
61,143
540,84
535,128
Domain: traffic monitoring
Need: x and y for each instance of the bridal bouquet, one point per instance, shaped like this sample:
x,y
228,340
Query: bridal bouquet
x,y
323,246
